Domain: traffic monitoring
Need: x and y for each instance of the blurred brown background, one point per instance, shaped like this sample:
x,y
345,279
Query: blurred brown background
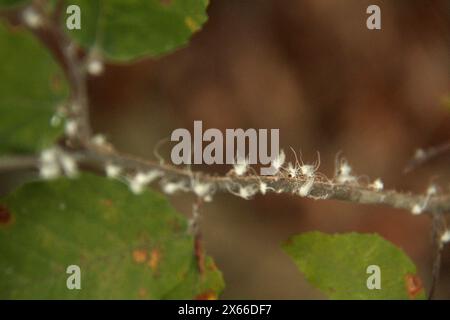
x,y
312,69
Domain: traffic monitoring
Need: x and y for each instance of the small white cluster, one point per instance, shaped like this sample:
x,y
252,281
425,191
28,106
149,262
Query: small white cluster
x,y
420,154
53,162
308,170
417,209
69,165
141,179
203,190
306,187
263,188
113,171
32,18
445,237
71,128
241,166
99,140
377,185
245,192
172,187
278,162
432,190
344,174
49,167
95,66
293,171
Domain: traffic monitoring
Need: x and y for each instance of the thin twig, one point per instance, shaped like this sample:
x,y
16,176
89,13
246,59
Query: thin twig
x,y
423,156
97,159
76,74
437,229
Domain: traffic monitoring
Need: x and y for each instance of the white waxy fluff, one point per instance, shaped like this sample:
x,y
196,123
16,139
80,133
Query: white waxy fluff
x,y
112,171
306,187
32,18
69,165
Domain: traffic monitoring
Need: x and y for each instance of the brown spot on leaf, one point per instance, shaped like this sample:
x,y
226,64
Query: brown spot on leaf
x,y
106,202
155,258
166,2
56,83
175,225
413,285
207,295
5,215
143,293
139,256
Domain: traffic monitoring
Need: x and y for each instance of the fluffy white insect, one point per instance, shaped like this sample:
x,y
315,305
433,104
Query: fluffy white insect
x,y
241,166
345,169
201,189
292,170
306,187
95,67
307,170
432,190
278,162
142,179
112,171
49,172
420,154
172,187
49,165
445,236
71,128
49,155
344,173
69,165
417,209
99,140
263,188
136,187
377,185
245,192
32,18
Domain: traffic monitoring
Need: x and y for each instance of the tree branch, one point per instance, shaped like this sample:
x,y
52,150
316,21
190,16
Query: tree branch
x,y
96,159
423,156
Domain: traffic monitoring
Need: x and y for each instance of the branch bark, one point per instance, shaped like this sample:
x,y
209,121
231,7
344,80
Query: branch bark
x,y
96,159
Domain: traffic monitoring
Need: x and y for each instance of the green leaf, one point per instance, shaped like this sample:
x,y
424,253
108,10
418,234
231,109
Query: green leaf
x,y
127,30
32,86
127,246
10,3
337,265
